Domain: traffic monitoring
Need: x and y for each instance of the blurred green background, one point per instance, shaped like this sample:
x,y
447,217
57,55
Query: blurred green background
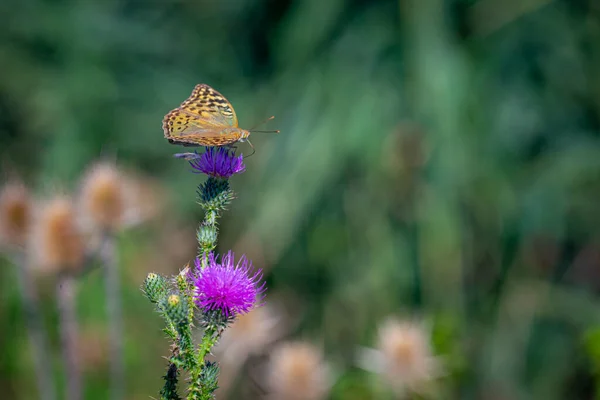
x,y
436,158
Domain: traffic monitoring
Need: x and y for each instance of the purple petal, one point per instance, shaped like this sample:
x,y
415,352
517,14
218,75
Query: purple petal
x,y
233,289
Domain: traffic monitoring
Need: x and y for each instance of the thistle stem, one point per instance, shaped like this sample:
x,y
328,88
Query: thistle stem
x,y
213,195
35,331
211,336
209,339
65,294
115,319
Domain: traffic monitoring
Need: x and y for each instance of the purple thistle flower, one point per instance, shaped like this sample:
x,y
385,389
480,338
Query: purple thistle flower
x,y
218,162
233,289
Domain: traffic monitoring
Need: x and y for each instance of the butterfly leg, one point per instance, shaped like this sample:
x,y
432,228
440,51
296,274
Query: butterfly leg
x,y
187,156
232,147
253,149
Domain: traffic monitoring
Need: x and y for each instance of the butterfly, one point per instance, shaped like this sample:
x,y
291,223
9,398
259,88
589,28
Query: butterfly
x,y
206,118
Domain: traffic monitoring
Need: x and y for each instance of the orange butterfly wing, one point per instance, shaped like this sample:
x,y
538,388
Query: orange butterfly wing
x,y
200,120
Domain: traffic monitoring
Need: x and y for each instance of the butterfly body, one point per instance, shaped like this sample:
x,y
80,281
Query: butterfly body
x,y
224,137
206,118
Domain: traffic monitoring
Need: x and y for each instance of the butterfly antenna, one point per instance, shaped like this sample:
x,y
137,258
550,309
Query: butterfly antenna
x,y
266,120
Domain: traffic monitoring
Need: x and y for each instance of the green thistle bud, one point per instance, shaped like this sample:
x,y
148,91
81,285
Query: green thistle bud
x,y
155,287
207,237
176,308
214,194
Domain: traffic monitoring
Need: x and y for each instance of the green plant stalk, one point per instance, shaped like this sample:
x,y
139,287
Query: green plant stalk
x,y
210,220
214,195
182,356
209,340
184,332
186,291
186,347
197,389
35,331
206,244
65,293
113,308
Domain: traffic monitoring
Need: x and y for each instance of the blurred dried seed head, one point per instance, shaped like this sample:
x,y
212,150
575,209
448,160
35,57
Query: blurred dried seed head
x,y
403,356
15,210
102,197
250,334
145,199
297,371
56,243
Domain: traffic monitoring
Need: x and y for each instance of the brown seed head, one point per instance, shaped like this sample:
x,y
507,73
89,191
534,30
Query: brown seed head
x,y
251,333
57,244
408,361
15,208
103,197
297,371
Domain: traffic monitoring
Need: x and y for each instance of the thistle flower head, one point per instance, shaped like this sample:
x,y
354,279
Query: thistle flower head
x,y
229,288
15,208
218,162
